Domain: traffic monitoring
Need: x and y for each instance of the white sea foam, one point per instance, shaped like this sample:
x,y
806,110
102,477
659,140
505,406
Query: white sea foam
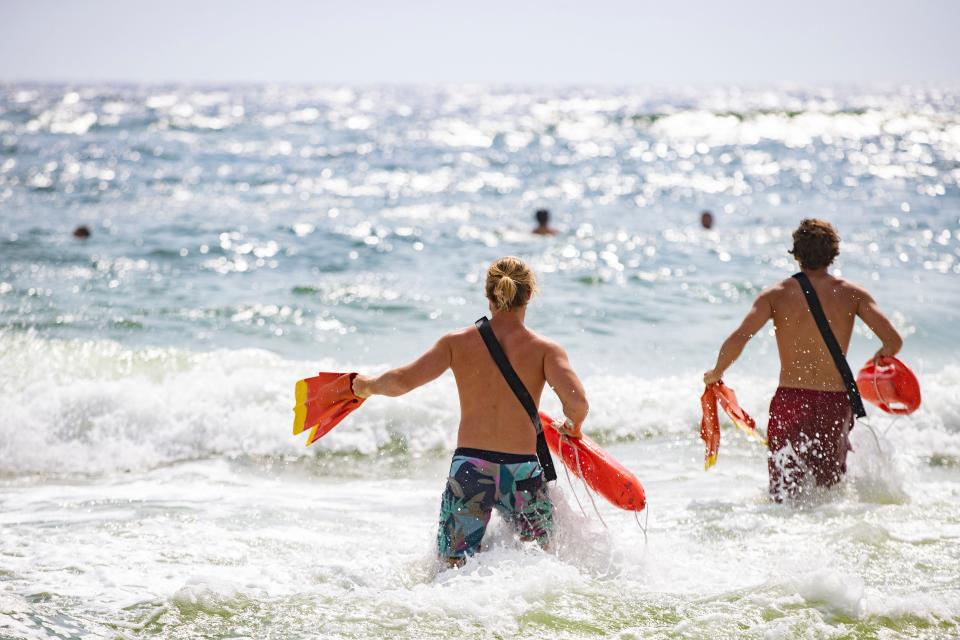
x,y
149,482
95,406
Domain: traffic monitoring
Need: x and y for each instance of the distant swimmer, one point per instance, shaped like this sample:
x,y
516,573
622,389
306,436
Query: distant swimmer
x,y
706,219
501,461
812,411
82,232
543,227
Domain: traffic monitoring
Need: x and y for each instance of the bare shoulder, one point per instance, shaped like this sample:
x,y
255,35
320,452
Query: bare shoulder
x,y
787,284
546,345
457,335
852,289
776,290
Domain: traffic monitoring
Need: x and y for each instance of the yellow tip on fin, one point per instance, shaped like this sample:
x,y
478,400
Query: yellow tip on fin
x,y
709,461
753,432
300,411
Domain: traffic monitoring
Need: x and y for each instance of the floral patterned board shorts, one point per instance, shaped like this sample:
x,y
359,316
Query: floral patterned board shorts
x,y
483,480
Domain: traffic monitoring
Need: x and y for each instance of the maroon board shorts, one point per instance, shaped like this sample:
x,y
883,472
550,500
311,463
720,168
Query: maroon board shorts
x,y
808,435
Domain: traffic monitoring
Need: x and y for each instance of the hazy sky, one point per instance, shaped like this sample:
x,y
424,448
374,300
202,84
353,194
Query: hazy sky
x,y
493,41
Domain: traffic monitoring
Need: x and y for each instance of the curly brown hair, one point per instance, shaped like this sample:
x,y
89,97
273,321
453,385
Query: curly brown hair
x,y
815,243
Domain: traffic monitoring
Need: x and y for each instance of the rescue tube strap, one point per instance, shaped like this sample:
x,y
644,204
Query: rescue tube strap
x,y
520,391
832,345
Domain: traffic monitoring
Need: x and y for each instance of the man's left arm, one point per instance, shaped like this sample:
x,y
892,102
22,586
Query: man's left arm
x,y
733,346
399,381
869,312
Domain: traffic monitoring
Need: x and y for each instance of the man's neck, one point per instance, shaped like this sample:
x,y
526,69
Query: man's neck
x,y
510,317
813,274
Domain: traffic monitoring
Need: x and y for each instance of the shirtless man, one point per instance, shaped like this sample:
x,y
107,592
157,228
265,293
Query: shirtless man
x,y
543,227
495,464
810,415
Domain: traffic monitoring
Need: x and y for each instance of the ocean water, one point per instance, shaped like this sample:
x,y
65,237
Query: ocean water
x,y
246,237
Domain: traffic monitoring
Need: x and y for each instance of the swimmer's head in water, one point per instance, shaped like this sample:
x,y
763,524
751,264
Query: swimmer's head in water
x,y
510,283
706,219
815,243
543,216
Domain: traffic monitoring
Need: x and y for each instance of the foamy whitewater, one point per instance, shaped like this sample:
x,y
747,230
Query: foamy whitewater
x,y
246,237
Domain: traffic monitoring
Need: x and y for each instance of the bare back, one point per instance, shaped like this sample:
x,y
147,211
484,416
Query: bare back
x,y
491,417
805,361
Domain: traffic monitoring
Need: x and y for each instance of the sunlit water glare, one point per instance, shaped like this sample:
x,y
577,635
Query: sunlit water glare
x,y
246,237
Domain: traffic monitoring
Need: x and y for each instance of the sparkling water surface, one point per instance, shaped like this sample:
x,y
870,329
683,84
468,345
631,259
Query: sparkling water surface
x,y
246,237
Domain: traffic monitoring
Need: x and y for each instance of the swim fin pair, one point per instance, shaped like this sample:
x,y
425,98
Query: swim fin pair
x,y
710,422
322,402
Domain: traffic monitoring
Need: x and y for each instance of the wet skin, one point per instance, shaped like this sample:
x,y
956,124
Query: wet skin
x,y
490,416
805,361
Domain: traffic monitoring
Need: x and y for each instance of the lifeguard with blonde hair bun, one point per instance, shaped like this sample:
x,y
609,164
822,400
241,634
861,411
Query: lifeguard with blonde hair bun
x,y
510,283
502,460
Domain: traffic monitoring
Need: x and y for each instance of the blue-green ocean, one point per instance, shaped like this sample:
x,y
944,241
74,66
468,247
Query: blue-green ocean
x,y
244,237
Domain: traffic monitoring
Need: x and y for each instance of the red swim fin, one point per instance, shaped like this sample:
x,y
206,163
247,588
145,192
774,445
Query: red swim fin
x,y
730,406
322,402
889,385
710,426
710,423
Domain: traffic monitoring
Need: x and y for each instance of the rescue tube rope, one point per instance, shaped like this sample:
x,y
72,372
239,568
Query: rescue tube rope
x,y
563,440
896,416
873,432
866,421
576,454
646,521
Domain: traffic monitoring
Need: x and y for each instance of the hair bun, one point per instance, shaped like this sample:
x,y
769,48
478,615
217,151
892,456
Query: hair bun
x,y
510,282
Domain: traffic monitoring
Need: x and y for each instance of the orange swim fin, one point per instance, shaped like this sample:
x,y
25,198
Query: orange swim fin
x,y
322,402
709,427
739,417
710,422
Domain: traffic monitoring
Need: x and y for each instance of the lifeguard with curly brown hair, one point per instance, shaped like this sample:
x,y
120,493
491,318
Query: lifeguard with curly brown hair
x,y
497,464
811,414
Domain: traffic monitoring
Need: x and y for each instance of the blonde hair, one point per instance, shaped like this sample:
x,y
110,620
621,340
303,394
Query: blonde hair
x,y
510,283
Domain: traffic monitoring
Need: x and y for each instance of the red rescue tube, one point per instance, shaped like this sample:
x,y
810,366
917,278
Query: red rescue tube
x,y
889,385
598,469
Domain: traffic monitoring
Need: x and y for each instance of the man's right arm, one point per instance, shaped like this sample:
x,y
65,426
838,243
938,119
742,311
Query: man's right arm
x,y
399,381
732,347
881,326
565,383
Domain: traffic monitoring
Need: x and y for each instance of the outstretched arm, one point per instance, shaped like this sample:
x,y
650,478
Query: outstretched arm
x,y
733,346
870,313
399,381
565,383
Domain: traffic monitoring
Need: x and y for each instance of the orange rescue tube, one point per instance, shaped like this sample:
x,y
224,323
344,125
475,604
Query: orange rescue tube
x,y
598,469
889,385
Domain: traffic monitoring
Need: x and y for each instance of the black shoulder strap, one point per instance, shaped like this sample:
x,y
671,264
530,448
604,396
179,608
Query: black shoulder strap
x,y
838,359
516,385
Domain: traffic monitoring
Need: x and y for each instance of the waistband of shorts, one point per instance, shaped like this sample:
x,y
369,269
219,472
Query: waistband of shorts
x,y
496,457
811,392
